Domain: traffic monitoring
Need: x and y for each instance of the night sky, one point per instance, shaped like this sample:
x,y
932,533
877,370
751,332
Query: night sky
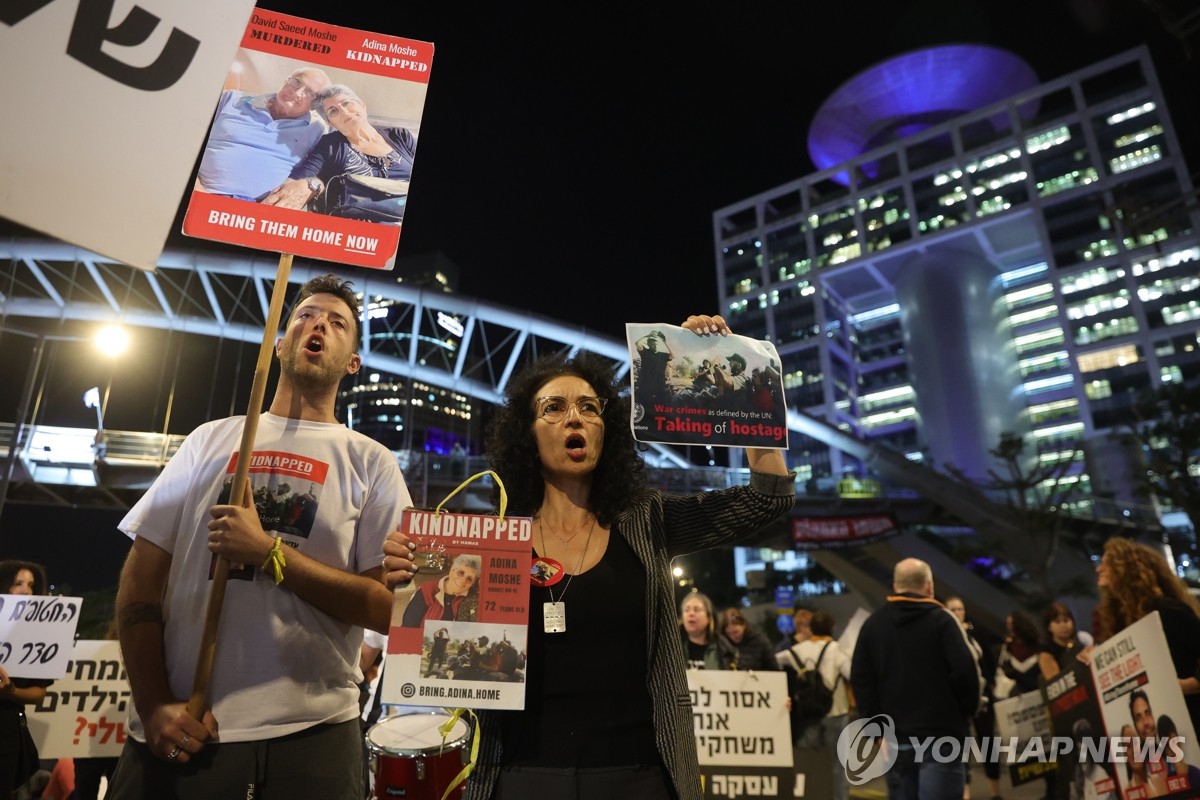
x,y
571,157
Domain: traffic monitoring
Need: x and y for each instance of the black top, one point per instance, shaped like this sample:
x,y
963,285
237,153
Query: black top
x,y
1182,629
586,697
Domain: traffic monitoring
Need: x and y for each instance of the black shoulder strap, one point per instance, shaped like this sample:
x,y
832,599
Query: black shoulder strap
x,y
818,664
799,666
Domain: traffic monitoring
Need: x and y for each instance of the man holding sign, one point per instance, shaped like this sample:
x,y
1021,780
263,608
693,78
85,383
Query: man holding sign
x,y
284,678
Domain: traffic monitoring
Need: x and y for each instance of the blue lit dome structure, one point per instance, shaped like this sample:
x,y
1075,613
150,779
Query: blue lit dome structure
x,y
910,93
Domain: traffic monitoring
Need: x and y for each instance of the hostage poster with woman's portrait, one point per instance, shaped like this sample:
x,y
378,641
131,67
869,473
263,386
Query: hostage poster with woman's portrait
x,y
459,628
313,141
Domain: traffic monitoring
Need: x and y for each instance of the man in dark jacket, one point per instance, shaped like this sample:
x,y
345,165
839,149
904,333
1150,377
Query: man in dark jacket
x,y
912,663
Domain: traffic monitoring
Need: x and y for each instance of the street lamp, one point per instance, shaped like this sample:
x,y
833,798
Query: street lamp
x,y
111,340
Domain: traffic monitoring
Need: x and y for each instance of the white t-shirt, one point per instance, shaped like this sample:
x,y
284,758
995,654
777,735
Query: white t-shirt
x,y
280,665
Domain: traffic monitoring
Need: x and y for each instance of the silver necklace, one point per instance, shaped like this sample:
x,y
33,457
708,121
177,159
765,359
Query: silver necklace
x,y
554,613
566,541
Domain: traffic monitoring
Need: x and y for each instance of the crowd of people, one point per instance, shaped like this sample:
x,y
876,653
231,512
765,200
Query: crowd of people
x,y
282,712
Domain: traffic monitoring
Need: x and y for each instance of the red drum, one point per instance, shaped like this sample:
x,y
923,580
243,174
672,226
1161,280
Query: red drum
x,y
410,759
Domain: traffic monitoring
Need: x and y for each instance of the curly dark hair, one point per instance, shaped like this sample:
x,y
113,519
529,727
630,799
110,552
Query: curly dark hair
x,y
8,573
342,289
512,450
1137,576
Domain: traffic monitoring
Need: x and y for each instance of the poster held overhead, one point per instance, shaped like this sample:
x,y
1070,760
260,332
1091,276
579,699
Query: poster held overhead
x,y
135,99
724,391
313,142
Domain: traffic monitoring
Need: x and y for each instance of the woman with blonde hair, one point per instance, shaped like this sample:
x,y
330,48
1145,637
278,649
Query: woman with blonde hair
x,y
1135,580
703,645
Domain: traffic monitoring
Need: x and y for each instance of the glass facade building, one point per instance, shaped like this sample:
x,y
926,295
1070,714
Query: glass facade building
x,y
974,278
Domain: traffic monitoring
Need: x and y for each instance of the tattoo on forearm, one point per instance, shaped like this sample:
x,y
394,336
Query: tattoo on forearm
x,y
138,613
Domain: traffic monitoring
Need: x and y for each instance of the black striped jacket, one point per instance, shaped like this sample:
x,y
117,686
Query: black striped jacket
x,y
658,528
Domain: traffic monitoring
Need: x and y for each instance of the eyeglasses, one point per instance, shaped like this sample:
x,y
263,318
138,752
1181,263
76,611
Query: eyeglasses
x,y
301,89
554,409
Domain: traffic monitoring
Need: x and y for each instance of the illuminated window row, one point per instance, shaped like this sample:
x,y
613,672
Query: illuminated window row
x,y
1165,287
1090,279
1107,359
1030,294
1166,261
1138,158
1186,312
885,418
1098,332
1058,360
1033,316
1032,341
1100,304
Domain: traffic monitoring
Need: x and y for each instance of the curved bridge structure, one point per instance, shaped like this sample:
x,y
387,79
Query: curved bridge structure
x,y
446,340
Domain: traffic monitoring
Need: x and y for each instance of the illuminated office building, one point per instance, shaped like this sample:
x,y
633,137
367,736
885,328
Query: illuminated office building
x,y
980,252
403,412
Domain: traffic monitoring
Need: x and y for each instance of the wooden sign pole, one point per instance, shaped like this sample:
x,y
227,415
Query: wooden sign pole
x,y
239,490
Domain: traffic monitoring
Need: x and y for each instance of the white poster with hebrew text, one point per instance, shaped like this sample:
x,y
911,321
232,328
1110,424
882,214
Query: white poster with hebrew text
x,y
114,103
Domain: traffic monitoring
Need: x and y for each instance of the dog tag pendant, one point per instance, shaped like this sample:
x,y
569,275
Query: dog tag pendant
x,y
554,617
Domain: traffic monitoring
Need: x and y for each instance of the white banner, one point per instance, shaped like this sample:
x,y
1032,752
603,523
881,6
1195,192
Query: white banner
x,y
36,632
116,99
83,713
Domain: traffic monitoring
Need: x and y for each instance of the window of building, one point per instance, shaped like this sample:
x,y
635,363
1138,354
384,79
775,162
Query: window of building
x,y
897,395
1028,295
1047,362
1184,312
1171,374
1099,304
1033,315
1051,337
1098,389
1055,410
787,252
1105,329
1090,279
1106,359
885,219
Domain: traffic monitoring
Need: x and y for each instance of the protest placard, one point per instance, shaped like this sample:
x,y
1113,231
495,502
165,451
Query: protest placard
x,y
329,178
83,713
1023,722
720,391
459,629
1145,717
36,633
119,82
743,733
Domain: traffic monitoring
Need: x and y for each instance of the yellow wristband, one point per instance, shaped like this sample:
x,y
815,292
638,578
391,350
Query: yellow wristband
x,y
275,561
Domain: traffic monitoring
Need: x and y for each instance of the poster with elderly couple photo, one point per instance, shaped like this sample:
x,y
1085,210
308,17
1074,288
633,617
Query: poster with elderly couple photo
x,y
459,628
312,143
722,391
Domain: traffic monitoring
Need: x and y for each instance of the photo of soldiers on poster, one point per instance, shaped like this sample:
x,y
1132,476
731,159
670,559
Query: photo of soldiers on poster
x,y
721,391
